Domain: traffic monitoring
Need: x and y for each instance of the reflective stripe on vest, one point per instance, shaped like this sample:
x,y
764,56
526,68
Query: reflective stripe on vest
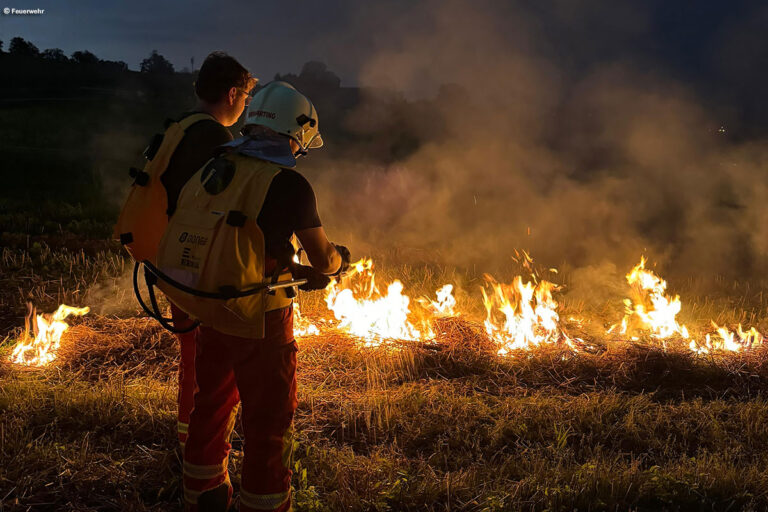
x,y
182,428
263,501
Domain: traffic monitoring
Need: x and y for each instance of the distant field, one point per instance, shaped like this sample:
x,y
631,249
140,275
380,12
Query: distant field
x,y
65,161
447,425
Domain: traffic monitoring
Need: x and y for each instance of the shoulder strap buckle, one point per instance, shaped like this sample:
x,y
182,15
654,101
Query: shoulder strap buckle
x,y
236,218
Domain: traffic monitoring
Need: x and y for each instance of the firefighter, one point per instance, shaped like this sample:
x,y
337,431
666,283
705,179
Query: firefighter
x,y
223,90
257,372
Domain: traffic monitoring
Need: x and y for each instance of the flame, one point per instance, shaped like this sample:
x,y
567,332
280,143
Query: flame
x,y
302,326
528,314
519,316
444,306
729,341
43,349
362,310
656,312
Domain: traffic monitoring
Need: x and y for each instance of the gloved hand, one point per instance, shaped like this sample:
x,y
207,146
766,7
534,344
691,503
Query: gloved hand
x,y
346,258
315,280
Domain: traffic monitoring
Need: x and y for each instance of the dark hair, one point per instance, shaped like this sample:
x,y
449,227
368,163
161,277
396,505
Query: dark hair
x,y
218,74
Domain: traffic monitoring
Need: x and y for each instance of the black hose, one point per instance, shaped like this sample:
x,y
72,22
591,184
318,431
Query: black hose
x,y
136,292
165,322
152,273
154,312
234,294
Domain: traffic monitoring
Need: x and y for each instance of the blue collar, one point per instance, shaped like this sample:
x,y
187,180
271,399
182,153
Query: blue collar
x,y
271,149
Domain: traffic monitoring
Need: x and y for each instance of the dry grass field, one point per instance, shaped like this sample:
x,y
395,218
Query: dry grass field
x,y
439,425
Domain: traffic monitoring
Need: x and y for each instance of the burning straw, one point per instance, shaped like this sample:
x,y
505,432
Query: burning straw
x,y
520,316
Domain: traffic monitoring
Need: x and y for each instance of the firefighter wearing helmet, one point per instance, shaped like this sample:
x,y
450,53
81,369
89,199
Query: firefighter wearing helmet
x,y
235,223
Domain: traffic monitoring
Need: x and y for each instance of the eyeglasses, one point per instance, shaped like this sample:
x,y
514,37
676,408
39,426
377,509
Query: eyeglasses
x,y
248,94
249,89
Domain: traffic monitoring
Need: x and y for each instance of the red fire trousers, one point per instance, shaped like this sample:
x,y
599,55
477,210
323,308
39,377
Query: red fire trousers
x,y
260,374
187,347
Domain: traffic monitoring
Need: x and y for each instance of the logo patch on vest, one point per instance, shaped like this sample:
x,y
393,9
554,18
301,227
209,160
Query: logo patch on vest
x,y
193,239
188,260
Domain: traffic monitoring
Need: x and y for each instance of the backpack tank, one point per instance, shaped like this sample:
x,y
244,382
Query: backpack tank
x,y
144,216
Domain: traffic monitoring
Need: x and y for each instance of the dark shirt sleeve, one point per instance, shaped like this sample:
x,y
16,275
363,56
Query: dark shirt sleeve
x,y
197,147
290,206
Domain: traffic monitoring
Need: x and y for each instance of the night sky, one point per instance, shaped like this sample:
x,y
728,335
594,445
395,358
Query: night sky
x,y
716,44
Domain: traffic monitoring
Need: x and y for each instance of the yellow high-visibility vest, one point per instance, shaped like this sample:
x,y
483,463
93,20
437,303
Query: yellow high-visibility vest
x,y
213,243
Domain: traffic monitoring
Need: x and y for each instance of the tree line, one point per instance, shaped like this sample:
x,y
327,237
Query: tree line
x,y
31,72
399,128
314,75
20,48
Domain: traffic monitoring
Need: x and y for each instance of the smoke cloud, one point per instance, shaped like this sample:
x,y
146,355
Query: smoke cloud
x,y
585,163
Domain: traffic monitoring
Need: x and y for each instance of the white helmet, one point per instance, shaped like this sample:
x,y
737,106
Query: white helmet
x,y
283,109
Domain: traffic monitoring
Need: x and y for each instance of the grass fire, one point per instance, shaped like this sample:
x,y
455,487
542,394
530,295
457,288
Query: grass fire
x,y
520,317
515,362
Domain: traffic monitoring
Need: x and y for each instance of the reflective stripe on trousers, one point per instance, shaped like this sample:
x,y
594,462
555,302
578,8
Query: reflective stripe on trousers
x,y
205,472
182,429
263,501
